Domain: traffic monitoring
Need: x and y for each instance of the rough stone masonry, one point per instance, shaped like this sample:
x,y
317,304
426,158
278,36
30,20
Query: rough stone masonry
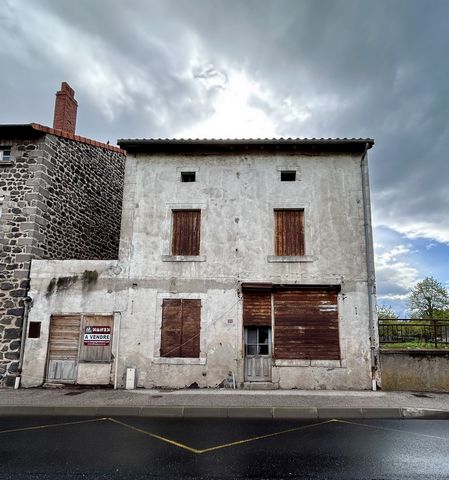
x,y
61,199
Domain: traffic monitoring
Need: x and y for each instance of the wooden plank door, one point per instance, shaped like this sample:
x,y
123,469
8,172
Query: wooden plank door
x,y
63,348
97,338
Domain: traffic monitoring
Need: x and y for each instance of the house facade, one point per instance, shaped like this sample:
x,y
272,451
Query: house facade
x,y
60,197
242,262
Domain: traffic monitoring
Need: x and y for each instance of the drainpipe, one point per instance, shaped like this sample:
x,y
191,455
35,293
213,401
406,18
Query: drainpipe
x,y
117,350
371,284
27,304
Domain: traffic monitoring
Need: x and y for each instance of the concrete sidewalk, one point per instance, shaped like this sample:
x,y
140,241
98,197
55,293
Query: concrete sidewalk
x,y
223,403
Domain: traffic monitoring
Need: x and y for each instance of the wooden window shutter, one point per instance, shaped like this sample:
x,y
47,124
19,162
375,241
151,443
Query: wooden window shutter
x,y
289,235
180,331
257,309
186,232
171,328
191,324
306,325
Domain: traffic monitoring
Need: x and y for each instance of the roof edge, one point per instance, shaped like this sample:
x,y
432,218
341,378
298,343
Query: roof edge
x,y
36,130
214,145
76,138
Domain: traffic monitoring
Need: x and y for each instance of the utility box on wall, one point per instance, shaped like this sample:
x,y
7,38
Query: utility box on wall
x,y
130,379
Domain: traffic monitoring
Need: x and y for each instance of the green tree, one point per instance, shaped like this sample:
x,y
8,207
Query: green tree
x,y
428,299
385,312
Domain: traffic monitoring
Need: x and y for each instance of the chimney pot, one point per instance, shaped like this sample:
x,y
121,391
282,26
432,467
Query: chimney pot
x,y
65,109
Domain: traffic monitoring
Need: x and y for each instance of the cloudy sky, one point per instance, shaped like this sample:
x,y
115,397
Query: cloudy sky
x,y
259,68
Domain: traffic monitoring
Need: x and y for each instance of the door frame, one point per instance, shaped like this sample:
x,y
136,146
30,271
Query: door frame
x,y
268,356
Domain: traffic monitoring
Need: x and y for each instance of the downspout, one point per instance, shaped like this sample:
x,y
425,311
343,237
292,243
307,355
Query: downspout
x,y
117,350
27,304
371,283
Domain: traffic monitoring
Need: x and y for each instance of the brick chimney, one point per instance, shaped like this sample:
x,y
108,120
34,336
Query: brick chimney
x,y
65,109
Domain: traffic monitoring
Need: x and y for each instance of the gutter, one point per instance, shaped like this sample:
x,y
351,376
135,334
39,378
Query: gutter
x,y
371,278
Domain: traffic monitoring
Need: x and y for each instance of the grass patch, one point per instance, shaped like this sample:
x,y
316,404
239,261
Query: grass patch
x,y
414,346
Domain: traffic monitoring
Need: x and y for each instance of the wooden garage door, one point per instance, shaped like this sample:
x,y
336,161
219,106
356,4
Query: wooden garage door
x,y
63,348
306,325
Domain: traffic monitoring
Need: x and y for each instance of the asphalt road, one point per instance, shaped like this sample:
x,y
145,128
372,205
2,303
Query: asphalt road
x,y
137,448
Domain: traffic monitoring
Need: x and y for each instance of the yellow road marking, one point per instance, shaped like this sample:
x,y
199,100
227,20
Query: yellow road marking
x,y
260,437
163,439
217,447
225,445
392,429
52,425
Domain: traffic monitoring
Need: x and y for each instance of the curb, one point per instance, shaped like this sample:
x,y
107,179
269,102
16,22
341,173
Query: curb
x,y
308,413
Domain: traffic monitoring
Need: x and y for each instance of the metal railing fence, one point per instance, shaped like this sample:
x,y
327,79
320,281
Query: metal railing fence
x,y
425,333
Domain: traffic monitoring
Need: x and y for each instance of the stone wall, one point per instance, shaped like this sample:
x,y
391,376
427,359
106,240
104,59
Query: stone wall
x,y
83,201
18,242
62,200
418,370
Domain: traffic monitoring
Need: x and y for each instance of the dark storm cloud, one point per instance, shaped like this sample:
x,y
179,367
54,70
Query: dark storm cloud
x,y
381,70
331,68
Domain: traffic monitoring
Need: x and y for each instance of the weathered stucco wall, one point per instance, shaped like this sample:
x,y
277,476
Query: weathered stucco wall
x,y
237,195
419,371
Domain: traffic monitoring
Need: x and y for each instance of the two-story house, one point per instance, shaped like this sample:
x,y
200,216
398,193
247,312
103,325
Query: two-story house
x,y
242,262
60,197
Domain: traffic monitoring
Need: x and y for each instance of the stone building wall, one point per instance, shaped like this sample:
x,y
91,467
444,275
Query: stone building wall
x,y
62,200
83,201
21,225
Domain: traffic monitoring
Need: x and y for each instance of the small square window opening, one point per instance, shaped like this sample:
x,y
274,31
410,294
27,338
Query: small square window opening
x,y
188,177
288,176
5,154
34,330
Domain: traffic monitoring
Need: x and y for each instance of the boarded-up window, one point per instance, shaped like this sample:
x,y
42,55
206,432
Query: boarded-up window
x,y
289,235
180,331
96,344
186,232
257,308
306,325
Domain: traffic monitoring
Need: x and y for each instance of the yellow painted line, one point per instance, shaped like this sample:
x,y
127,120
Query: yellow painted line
x,y
158,437
261,437
217,447
397,430
52,425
